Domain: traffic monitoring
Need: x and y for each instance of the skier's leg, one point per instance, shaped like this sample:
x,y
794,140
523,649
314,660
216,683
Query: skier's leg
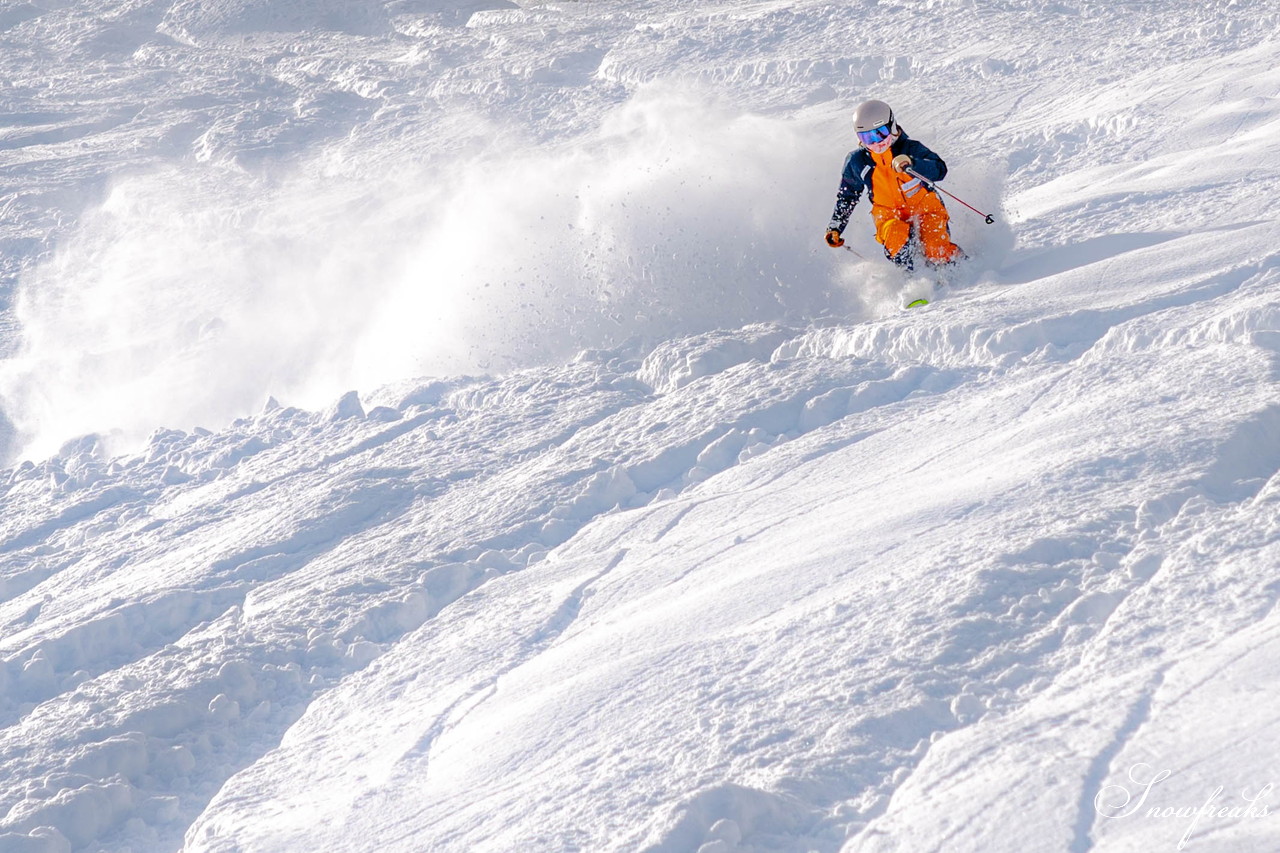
x,y
894,233
935,232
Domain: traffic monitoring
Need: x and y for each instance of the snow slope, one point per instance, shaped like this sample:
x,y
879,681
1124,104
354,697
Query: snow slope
x,y
653,524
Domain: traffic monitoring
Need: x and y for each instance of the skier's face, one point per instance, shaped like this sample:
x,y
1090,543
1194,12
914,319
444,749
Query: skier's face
x,y
878,139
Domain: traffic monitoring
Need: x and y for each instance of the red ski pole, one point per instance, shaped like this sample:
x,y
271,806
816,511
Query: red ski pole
x,y
987,217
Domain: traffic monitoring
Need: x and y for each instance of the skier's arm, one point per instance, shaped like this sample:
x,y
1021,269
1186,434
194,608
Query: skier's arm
x,y
924,162
846,199
851,187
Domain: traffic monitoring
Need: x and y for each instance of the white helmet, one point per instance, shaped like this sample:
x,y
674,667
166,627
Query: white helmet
x,y
873,121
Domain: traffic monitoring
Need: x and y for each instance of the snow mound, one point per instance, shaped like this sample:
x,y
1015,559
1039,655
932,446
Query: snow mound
x,y
196,21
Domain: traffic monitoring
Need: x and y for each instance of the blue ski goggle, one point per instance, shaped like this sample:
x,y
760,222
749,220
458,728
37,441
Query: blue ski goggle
x,y
879,134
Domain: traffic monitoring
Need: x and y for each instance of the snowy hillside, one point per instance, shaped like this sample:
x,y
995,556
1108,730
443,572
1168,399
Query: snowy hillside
x,y
595,503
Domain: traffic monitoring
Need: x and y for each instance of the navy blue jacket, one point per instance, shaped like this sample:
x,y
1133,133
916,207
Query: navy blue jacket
x,y
857,175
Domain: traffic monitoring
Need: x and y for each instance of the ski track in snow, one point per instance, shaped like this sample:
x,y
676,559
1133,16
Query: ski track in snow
x,y
653,524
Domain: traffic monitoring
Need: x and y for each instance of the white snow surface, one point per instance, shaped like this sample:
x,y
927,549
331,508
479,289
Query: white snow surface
x,y
651,523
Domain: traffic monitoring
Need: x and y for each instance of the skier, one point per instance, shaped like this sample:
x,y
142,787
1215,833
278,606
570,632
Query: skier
x,y
905,209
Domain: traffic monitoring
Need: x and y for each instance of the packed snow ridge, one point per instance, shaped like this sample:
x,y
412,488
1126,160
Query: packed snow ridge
x,y
595,504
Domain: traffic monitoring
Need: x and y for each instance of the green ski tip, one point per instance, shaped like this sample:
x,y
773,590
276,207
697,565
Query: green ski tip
x,y
916,303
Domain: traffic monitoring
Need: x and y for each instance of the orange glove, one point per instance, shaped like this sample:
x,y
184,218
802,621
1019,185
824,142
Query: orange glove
x,y
834,240
901,163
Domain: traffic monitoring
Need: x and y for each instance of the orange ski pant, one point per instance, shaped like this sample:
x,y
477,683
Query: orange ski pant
x,y
926,214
